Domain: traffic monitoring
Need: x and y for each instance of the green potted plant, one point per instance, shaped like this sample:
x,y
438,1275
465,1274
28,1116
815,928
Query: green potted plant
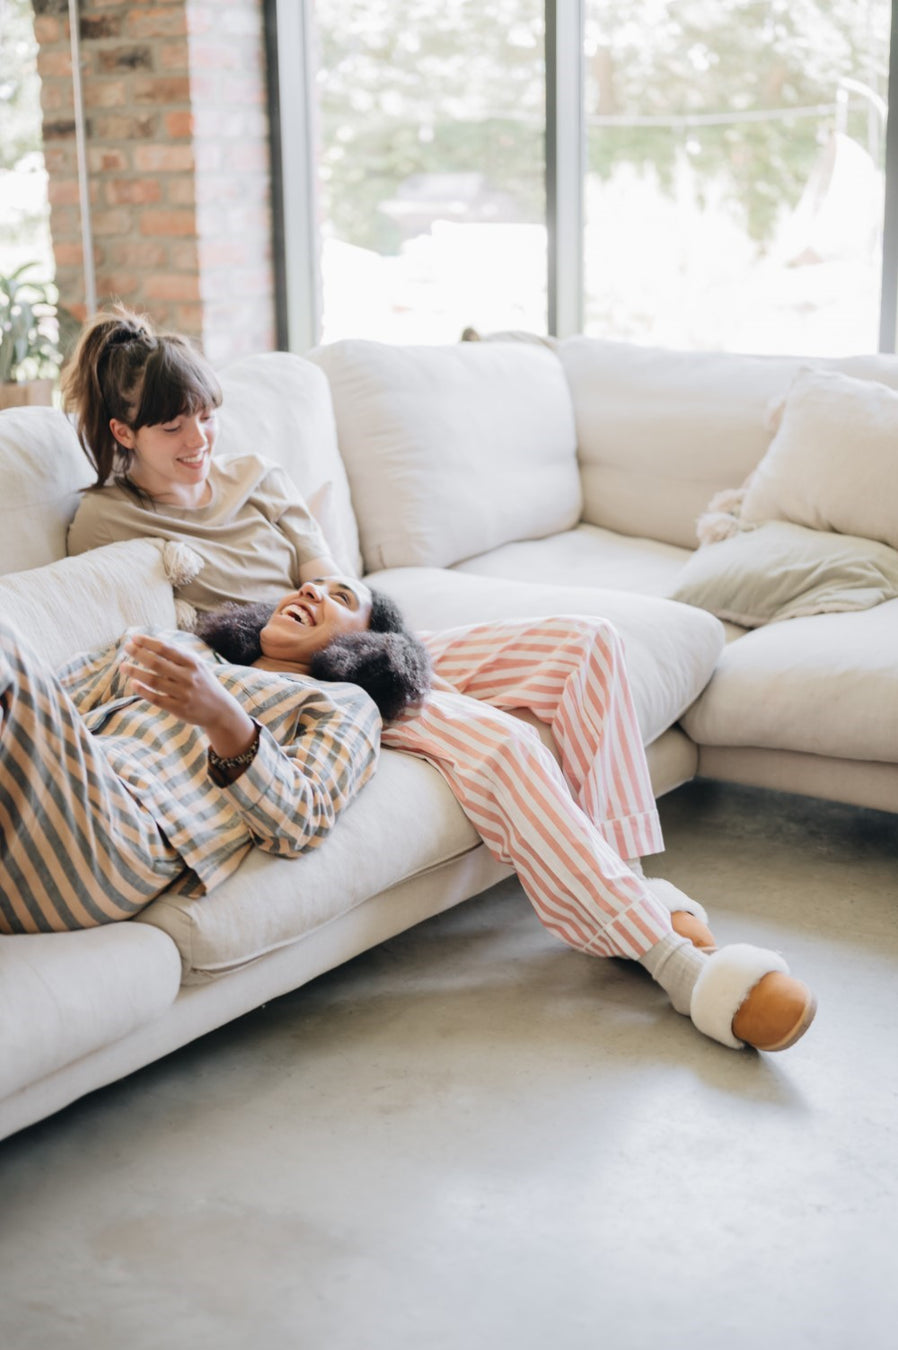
x,y
30,356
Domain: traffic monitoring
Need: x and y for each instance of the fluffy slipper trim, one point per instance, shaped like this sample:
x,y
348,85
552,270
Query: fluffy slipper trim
x,y
674,899
723,986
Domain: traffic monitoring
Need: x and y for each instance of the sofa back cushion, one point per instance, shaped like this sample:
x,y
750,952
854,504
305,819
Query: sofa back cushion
x,y
279,405
659,432
42,468
452,451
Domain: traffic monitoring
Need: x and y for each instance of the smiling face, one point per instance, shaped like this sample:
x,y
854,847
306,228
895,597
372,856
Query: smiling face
x,y
170,460
306,621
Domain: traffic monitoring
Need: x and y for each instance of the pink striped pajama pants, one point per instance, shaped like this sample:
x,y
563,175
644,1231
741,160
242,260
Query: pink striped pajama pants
x,y
565,832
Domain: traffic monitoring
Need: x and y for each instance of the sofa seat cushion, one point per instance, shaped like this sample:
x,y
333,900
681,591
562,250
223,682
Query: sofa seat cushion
x,y
671,649
404,822
824,685
590,556
454,450
64,995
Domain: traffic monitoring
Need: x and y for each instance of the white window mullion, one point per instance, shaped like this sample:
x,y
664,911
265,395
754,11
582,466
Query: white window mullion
x,y
300,243
888,313
565,163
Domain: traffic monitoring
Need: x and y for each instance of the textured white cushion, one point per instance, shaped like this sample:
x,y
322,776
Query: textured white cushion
x,y
76,604
825,685
660,432
43,469
452,451
63,995
784,571
279,405
833,464
671,649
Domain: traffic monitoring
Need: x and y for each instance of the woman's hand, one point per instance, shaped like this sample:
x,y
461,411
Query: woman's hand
x,y
178,682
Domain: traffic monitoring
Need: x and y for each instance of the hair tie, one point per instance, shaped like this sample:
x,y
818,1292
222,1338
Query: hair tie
x,y
123,336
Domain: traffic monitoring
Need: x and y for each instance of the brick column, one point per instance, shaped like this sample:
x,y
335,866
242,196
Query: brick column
x,y
178,163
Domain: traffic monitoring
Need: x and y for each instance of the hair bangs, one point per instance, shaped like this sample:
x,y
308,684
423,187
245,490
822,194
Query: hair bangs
x,y
176,381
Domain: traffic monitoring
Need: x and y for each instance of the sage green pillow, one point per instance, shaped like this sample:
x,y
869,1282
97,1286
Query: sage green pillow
x,y
785,571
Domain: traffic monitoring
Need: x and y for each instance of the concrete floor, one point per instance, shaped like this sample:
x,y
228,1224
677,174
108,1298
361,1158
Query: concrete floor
x,y
472,1137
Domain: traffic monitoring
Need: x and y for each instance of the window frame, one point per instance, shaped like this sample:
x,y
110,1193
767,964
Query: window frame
x,y
296,242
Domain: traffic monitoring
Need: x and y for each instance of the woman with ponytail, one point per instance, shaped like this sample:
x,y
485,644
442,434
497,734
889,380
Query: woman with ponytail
x,y
145,406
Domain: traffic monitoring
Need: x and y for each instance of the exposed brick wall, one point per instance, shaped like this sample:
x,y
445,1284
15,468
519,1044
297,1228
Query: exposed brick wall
x,y
178,164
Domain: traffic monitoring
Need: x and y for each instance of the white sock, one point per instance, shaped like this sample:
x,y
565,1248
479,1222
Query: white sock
x,y
676,965
635,866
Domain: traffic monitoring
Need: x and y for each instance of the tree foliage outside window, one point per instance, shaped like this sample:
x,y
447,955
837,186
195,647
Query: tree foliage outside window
x,y
24,212
427,87
20,109
737,59
734,190
439,85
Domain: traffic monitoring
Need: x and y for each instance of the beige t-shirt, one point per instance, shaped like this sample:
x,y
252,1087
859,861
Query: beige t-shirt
x,y
253,535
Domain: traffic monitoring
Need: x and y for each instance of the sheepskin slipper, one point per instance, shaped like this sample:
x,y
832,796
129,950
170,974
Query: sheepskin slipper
x,y
687,916
726,982
674,899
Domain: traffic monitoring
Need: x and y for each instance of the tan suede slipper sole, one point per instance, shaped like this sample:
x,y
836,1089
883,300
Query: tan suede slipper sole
x,y
776,1013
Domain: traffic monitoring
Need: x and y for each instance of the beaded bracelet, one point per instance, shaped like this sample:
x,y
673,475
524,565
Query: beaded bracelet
x,y
236,761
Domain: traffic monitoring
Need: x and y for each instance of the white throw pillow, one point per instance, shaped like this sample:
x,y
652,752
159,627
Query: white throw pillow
x,y
784,571
452,451
80,603
833,464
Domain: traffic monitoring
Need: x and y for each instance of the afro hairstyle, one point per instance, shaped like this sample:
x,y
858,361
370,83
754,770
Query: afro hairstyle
x,y
392,668
387,661
233,630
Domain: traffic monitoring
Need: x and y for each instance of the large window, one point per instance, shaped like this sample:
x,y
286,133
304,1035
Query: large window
x,y
430,166
707,173
734,188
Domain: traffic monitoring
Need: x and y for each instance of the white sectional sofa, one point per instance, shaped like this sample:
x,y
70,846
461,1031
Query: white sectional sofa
x,y
472,481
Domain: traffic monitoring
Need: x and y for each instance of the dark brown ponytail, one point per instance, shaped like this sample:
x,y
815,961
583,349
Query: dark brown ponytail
x,y
122,368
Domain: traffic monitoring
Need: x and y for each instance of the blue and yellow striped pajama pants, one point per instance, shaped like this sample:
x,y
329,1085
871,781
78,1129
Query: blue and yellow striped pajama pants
x,y
76,847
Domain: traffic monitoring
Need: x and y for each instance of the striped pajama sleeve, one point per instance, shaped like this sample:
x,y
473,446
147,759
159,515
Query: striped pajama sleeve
x,y
292,793
106,800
